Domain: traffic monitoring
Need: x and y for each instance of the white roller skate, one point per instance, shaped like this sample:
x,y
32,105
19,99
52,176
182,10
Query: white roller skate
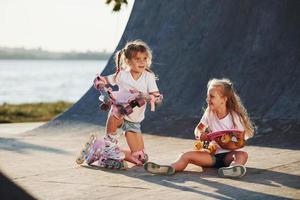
x,y
90,151
111,156
107,153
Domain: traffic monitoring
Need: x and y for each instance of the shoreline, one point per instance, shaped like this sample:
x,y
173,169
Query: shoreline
x,y
32,112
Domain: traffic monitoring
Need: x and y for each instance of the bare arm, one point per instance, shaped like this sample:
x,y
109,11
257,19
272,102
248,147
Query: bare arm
x,y
200,132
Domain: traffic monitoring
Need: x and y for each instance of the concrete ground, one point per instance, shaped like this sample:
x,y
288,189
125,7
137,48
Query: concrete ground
x,y
44,165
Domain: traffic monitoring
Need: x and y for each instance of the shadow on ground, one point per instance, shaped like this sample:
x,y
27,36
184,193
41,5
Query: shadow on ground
x,y
263,177
10,190
19,146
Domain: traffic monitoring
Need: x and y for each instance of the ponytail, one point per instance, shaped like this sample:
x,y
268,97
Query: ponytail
x,y
118,62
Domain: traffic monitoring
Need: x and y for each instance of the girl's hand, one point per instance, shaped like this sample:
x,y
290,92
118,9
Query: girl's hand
x,y
240,135
203,136
159,99
200,132
155,99
100,82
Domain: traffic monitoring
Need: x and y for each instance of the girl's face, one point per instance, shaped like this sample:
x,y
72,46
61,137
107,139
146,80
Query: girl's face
x,y
215,100
138,62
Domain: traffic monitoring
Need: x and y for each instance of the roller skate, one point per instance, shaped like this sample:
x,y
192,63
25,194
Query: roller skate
x,y
106,98
111,156
90,153
137,102
107,153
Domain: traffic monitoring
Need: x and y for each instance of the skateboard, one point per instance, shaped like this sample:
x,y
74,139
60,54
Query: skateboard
x,y
227,139
101,153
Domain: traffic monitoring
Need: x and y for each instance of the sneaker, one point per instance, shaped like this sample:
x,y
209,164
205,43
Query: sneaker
x,y
113,164
159,169
236,171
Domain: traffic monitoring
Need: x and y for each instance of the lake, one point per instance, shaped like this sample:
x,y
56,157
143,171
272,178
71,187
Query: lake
x,y
32,81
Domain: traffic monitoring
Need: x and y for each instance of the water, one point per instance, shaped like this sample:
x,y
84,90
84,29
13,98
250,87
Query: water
x,y
32,81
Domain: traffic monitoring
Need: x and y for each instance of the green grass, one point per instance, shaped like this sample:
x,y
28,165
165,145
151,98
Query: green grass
x,y
31,112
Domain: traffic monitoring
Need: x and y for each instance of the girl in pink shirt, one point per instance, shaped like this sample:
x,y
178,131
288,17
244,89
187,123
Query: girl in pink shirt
x,y
224,112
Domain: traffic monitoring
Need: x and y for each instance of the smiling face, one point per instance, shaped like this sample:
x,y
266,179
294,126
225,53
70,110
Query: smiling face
x,y
138,62
215,100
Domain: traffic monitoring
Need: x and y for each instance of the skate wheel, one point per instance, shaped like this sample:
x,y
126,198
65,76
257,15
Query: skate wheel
x,y
92,138
83,152
117,165
110,166
212,148
87,145
241,143
225,138
206,144
124,165
79,160
198,145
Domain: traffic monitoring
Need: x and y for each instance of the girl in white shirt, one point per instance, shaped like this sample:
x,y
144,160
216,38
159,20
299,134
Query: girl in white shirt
x,y
224,111
133,74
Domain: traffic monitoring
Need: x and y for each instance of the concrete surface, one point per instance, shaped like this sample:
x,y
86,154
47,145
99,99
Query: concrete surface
x,y
44,165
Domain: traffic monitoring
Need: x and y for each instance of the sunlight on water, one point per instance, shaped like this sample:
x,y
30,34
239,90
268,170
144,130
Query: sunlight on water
x,y
31,81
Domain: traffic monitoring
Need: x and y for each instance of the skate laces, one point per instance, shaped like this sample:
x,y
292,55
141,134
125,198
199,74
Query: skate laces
x,y
113,138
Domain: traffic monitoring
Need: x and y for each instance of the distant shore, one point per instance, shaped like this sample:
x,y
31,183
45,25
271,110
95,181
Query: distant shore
x,y
31,112
40,54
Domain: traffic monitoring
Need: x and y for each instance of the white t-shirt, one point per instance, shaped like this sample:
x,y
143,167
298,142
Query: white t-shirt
x,y
211,120
145,84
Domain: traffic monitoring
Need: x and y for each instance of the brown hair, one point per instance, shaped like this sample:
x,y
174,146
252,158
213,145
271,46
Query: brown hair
x,y
233,103
128,52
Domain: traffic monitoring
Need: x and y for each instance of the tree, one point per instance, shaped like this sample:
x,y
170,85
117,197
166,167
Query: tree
x,y
117,4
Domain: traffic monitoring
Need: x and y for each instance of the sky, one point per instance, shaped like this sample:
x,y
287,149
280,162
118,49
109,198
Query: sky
x,y
62,25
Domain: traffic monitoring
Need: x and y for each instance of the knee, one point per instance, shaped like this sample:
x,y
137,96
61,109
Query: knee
x,y
243,155
185,156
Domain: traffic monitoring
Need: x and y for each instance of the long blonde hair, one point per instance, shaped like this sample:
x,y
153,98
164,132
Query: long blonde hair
x,y
233,103
128,52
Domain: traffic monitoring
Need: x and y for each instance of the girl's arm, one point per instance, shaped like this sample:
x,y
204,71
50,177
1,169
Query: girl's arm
x,y
200,132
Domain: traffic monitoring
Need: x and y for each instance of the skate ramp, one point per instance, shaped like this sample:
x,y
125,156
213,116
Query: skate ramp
x,y
254,43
